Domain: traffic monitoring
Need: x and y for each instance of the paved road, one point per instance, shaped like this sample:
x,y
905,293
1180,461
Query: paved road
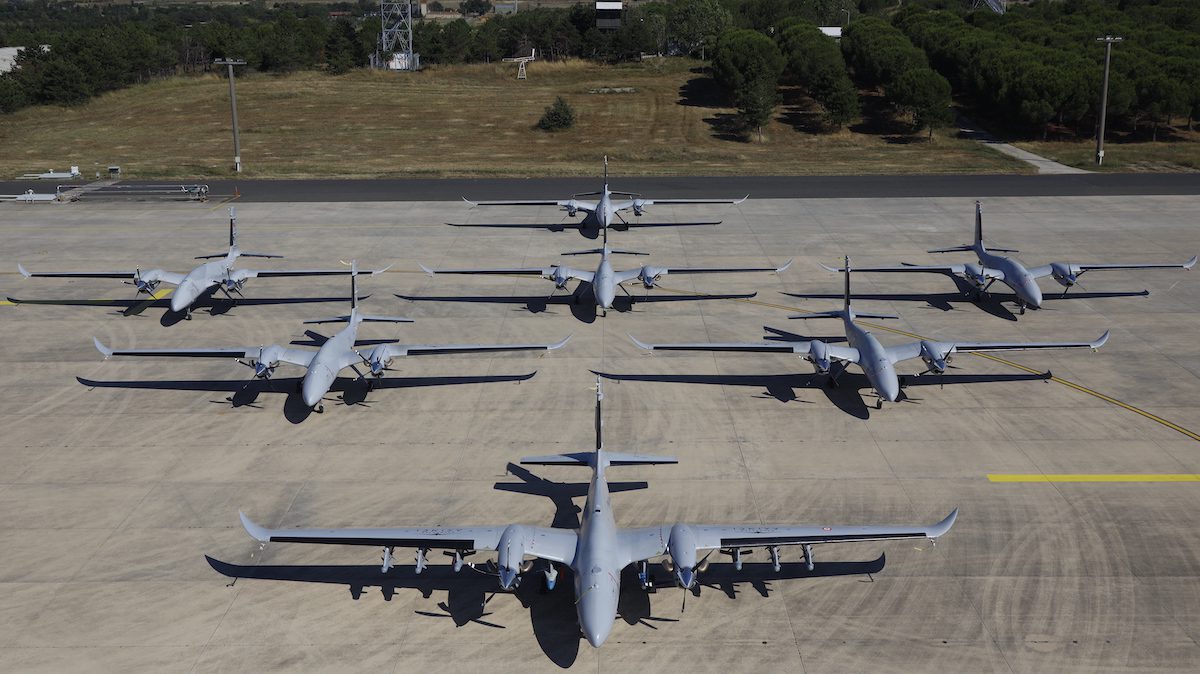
x,y
761,187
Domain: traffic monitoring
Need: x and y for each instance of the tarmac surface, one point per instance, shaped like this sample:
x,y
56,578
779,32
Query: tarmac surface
x,y
113,495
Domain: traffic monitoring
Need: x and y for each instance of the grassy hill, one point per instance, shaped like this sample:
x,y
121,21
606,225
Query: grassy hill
x,y
471,120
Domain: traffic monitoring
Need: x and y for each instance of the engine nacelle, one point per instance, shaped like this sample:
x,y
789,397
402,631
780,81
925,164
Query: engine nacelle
x,y
975,274
681,547
818,355
572,209
265,364
378,360
639,207
931,353
1067,275
649,275
560,278
510,556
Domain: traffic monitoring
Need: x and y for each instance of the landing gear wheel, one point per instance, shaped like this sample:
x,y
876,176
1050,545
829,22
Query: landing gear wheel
x,y
879,404
320,408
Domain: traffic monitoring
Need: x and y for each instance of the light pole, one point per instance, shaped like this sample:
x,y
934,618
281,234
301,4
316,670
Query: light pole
x,y
847,16
1108,41
237,143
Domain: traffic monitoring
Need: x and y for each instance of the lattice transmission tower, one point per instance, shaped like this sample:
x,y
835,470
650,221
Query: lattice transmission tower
x,y
395,48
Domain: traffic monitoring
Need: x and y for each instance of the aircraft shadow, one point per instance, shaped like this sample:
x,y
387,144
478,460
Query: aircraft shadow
x,y
214,306
580,301
561,494
996,304
588,229
245,393
551,612
845,396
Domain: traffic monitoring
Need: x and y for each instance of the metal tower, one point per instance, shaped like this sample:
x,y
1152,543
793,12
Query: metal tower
x,y
395,48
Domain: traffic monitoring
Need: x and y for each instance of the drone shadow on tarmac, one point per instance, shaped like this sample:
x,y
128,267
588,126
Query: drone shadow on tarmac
x,y
214,306
996,304
551,612
245,393
845,396
581,301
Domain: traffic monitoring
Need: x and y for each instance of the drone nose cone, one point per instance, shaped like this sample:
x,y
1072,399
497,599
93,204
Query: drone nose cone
x,y
687,578
507,578
596,631
181,300
1033,295
312,390
890,390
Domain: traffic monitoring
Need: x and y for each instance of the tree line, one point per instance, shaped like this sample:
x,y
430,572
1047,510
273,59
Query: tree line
x,y
1041,65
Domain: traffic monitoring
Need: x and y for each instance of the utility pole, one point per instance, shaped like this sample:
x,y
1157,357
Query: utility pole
x,y
1108,41
237,143
847,16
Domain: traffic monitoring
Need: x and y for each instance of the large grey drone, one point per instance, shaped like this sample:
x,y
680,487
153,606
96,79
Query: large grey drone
x,y
877,361
604,212
334,355
605,282
1022,280
218,274
599,550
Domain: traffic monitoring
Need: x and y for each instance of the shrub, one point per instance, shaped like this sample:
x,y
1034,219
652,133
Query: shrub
x,y
558,116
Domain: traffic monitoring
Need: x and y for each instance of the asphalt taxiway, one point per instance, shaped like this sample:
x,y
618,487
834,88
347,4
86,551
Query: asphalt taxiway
x,y
114,493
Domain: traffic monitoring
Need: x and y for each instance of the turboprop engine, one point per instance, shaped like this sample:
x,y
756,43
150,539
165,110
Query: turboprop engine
x,y
572,209
510,557
559,276
818,355
681,556
931,353
143,285
378,360
266,362
1067,275
639,206
976,274
649,275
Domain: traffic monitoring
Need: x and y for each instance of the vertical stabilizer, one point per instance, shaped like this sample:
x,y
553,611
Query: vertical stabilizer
x,y
232,227
599,418
846,302
606,173
353,286
979,226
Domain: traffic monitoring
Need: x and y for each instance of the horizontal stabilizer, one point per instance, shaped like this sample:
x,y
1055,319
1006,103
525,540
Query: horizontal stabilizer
x,y
586,459
952,249
365,318
820,314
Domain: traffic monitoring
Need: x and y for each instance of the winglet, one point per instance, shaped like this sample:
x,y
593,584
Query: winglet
x,y
641,344
785,266
425,269
470,203
256,532
25,272
559,345
101,348
827,268
380,271
941,528
1186,265
740,201
1100,342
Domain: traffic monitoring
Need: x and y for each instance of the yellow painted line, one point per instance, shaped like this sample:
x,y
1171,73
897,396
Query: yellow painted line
x,y
222,203
6,303
1070,477
1004,361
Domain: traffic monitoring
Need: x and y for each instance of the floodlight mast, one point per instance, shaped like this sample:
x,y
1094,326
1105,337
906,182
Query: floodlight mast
x,y
237,143
1108,41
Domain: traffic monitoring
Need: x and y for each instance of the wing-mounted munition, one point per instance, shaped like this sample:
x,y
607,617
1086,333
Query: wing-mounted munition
x,y
599,550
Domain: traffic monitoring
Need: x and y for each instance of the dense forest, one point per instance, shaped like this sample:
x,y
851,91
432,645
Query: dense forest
x,y
1034,70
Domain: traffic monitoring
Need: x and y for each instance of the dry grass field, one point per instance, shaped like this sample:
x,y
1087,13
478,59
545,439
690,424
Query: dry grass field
x,y
1178,150
473,120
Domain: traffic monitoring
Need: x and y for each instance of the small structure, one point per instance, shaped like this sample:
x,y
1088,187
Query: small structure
x,y
834,32
521,61
608,14
53,175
